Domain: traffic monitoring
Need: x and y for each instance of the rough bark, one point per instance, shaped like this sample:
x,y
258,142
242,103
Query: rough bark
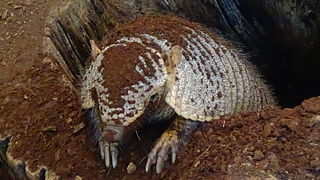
x,y
16,168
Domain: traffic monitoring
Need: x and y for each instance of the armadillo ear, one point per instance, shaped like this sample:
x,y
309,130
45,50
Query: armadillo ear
x,y
95,51
174,58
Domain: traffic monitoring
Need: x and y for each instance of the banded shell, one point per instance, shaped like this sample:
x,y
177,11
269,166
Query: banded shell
x,y
212,78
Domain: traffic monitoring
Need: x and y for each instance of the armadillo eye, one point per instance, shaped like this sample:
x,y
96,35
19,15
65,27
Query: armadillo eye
x,y
154,97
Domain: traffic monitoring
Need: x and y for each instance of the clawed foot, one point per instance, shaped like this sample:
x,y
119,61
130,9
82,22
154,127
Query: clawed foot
x,y
107,151
168,143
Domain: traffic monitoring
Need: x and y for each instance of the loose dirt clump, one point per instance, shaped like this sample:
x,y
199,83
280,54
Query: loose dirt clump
x,y
169,28
272,143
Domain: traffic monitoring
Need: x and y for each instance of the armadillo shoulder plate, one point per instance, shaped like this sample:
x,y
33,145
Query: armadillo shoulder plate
x,y
203,85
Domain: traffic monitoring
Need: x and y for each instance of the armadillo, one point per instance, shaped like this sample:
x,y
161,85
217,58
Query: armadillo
x,y
158,68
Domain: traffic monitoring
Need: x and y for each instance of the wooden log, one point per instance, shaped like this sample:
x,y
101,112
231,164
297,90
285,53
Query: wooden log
x,y
3,149
18,169
71,28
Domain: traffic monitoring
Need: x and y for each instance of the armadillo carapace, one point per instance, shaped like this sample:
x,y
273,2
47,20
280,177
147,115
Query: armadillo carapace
x,y
160,67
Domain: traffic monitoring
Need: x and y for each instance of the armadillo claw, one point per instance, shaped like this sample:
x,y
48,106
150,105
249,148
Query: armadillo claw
x,y
101,145
109,152
160,152
114,155
107,155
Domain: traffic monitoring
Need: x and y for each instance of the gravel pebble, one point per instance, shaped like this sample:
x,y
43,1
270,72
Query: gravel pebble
x,y
4,15
78,178
49,129
315,163
131,168
313,121
258,155
78,128
17,7
267,129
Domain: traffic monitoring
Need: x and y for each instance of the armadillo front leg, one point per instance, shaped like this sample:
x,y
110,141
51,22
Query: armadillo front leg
x,y
109,142
170,141
108,138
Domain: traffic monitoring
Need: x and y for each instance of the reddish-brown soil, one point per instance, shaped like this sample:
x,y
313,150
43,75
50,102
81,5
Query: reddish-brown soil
x,y
282,143
41,113
20,29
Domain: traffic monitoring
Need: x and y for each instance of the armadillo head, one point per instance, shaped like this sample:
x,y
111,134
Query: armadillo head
x,y
131,78
126,82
